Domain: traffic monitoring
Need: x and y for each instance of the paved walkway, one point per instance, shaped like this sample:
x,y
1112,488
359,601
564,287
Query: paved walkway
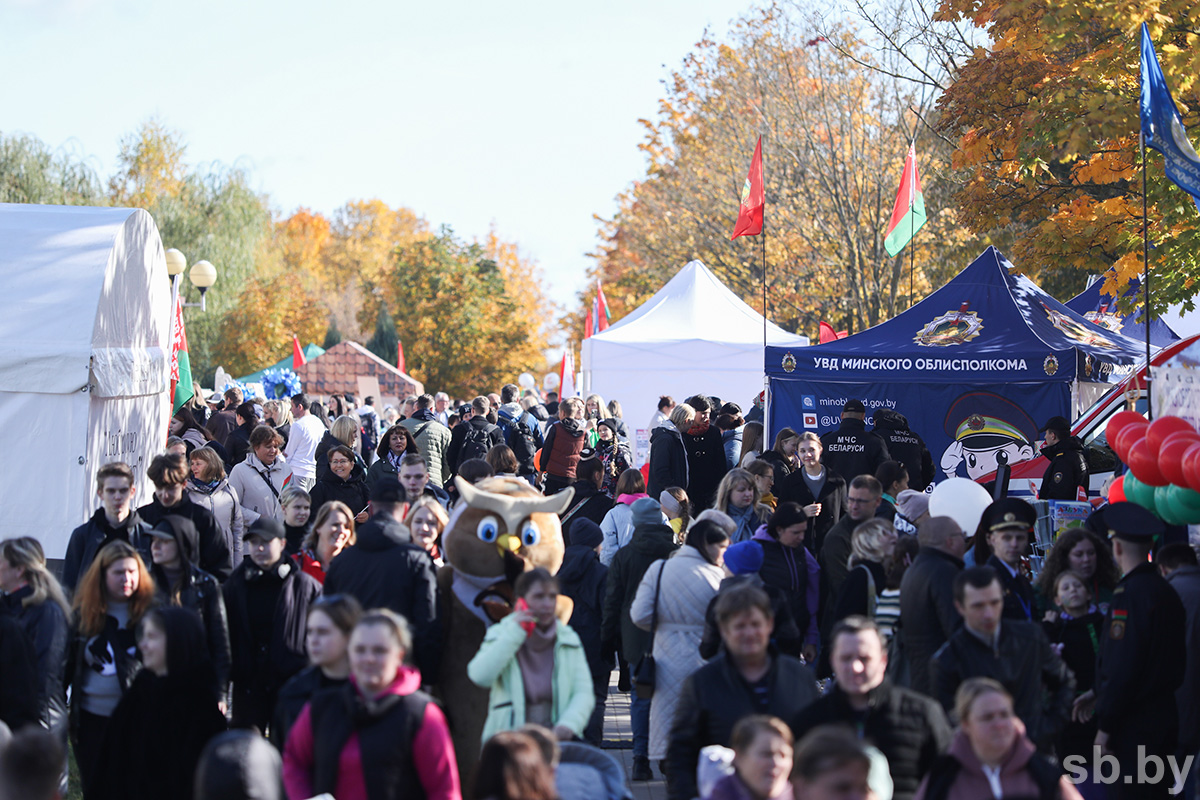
x,y
618,741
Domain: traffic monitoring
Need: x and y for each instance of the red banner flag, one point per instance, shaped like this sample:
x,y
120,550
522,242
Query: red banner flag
x,y
828,334
589,324
602,313
750,213
298,359
400,357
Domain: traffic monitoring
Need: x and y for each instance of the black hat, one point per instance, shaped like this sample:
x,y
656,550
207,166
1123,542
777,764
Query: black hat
x,y
163,530
266,528
608,423
388,489
1009,512
464,409
1127,521
855,405
1058,425
585,532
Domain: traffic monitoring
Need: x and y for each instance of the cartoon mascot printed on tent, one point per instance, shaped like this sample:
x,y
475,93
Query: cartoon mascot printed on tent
x,y
987,431
501,528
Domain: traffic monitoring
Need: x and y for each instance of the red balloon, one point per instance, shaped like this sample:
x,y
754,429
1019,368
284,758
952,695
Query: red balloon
x,y
1186,436
1143,463
1161,428
1191,467
1125,439
1116,491
1120,421
1170,458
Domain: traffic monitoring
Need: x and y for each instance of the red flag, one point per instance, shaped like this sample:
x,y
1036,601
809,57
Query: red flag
x,y
182,388
588,324
828,334
298,359
400,357
602,313
750,213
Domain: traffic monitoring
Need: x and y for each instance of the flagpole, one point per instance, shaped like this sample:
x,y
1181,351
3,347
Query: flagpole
x,y
1146,278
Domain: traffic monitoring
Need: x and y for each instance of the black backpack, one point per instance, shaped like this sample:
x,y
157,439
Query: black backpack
x,y
519,438
477,443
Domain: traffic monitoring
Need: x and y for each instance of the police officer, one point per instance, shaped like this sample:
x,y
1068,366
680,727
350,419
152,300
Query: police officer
x,y
1068,470
1142,655
1008,525
906,446
852,450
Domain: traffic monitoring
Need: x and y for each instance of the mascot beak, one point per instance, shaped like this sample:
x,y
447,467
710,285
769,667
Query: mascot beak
x,y
508,542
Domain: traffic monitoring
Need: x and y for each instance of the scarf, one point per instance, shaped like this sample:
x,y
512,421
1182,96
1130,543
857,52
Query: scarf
x,y
698,428
204,485
394,459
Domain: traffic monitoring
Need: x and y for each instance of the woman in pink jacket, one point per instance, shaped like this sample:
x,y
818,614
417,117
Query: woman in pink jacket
x,y
378,736
991,756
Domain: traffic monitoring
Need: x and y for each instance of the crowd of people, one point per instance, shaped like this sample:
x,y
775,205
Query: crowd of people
x,y
790,621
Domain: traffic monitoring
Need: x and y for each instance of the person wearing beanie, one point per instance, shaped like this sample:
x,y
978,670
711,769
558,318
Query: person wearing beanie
x,y
912,508
744,560
652,541
239,765
589,502
790,567
583,579
676,508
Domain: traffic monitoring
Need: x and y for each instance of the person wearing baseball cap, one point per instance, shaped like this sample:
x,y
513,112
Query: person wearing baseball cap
x,y
1143,655
852,450
1068,470
1007,525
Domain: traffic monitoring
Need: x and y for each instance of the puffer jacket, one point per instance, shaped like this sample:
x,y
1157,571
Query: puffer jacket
x,y
668,460
495,666
958,775
560,454
650,543
785,636
617,527
223,503
795,571
200,592
909,728
258,487
46,626
927,611
433,440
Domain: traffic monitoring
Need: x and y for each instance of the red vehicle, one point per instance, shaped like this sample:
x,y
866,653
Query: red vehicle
x,y
1026,477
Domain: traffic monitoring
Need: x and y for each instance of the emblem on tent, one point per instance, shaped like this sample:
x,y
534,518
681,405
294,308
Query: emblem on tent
x,y
1105,319
953,327
1050,365
789,362
1077,332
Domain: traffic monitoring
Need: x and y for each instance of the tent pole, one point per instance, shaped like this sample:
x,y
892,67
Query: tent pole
x,y
1146,280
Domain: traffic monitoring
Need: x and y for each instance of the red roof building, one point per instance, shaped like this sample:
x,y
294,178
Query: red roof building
x,y
338,369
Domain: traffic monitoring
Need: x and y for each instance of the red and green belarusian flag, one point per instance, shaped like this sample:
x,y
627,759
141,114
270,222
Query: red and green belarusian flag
x,y
181,366
908,215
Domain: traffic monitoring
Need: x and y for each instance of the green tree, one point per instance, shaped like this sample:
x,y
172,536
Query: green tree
x,y
31,173
333,335
385,340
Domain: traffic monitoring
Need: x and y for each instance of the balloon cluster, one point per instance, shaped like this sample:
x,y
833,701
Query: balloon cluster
x,y
1164,465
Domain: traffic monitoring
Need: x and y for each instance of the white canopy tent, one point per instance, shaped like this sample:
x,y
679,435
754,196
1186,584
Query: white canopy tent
x,y
694,335
84,343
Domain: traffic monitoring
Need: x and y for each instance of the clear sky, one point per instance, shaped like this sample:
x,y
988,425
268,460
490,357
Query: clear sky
x,y
521,114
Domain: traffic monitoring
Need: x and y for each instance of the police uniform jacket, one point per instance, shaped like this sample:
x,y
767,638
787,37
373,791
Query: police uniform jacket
x,y
1067,472
852,450
1020,603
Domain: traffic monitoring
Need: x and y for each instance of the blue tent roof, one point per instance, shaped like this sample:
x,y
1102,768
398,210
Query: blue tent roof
x,y
985,325
1102,310
311,351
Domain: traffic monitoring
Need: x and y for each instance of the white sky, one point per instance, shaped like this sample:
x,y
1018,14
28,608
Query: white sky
x,y
522,114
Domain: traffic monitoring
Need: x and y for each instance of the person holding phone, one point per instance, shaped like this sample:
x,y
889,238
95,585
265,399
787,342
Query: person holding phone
x,y
534,665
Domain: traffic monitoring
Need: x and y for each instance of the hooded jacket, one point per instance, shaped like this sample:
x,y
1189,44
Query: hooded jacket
x,y
239,764
583,579
200,592
1068,470
617,526
832,498
347,747
223,503
905,446
706,466
46,627
852,450
796,572
213,553
650,543
560,454
88,538
927,611
258,487
433,440
384,569
668,460
351,490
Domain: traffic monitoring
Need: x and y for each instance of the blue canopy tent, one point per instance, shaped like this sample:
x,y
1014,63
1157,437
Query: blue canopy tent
x,y
1101,309
976,368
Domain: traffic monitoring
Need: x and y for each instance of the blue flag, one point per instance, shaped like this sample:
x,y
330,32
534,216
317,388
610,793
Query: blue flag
x,y
1161,126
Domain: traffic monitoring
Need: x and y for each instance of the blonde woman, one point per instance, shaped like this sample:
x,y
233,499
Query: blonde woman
x,y
332,531
278,414
737,496
426,520
871,547
668,457
343,430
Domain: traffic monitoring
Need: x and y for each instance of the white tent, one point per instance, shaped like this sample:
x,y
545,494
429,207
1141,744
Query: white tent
x,y
694,335
84,341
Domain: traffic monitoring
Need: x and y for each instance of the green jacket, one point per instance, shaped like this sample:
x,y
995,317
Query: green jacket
x,y
496,666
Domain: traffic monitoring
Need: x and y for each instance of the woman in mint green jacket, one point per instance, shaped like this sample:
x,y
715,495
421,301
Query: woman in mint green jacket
x,y
534,665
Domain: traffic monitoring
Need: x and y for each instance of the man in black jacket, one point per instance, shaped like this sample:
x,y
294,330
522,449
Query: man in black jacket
x,y
705,456
384,569
1068,470
237,444
907,727
267,599
589,502
1008,524
852,450
473,437
927,612
169,473
1017,654
115,519
905,446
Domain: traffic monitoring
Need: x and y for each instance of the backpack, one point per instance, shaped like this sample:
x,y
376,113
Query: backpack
x,y
477,443
519,438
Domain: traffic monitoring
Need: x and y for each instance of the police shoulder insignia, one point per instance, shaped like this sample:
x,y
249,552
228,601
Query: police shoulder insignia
x,y
1117,630
1058,477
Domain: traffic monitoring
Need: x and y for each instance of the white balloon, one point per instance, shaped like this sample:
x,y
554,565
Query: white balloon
x,y
961,499
550,381
526,380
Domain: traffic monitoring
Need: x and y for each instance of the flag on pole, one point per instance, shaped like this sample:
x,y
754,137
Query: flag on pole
x,y
750,213
589,324
566,376
828,334
298,359
400,357
1162,129
908,215
182,389
602,313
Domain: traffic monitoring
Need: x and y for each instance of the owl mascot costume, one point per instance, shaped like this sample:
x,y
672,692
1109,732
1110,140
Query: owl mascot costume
x,y
501,528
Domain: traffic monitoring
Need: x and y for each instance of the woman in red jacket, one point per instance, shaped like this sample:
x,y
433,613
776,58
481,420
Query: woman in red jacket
x,y
377,737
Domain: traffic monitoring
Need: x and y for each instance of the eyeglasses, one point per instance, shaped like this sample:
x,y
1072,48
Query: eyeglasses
x,y
859,501
340,462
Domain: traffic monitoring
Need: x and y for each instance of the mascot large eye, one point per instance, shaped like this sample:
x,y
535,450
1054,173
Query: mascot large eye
x,y
488,530
530,535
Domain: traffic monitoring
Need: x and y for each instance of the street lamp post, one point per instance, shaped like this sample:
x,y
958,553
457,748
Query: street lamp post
x,y
202,275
